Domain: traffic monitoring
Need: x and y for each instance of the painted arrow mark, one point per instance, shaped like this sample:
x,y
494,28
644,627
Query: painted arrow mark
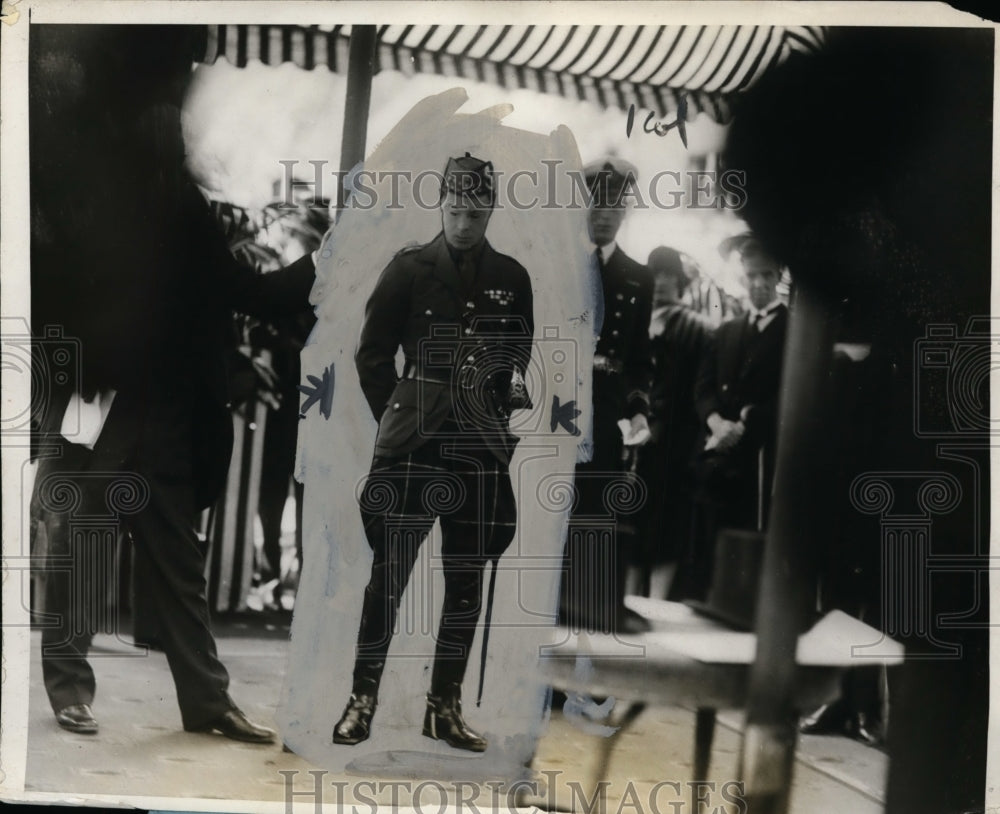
x,y
563,415
320,392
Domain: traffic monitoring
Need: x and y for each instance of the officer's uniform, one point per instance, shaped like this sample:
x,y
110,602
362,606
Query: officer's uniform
x,y
443,446
623,365
593,568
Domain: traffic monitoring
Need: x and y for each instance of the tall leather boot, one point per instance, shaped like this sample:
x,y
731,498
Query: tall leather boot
x,y
374,635
443,720
459,616
355,724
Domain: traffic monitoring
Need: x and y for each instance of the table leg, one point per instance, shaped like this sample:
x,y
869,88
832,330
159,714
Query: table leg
x,y
608,744
704,732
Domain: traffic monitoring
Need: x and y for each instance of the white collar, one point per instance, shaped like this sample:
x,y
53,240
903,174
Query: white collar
x,y
607,250
766,311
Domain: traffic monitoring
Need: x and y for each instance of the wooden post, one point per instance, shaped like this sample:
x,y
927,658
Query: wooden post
x,y
783,609
360,68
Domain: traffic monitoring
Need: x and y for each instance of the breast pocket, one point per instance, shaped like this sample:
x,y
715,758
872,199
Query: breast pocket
x,y
411,416
433,313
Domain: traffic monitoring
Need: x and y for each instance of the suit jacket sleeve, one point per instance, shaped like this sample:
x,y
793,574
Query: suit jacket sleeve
x,y
639,370
706,400
280,293
381,334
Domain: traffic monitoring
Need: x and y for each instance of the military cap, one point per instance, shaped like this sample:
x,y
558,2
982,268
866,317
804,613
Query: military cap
x,y
608,179
470,177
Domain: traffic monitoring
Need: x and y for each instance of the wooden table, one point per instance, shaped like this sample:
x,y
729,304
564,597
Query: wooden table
x,y
690,660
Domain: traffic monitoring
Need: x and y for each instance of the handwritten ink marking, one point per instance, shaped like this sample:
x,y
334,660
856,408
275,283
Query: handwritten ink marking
x,y
320,393
661,128
563,415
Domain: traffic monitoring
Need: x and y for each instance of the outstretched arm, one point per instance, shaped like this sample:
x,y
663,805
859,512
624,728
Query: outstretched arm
x,y
381,334
231,284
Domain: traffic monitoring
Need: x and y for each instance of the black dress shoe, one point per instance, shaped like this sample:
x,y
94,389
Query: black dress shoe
x,y
443,721
861,729
234,724
77,718
355,724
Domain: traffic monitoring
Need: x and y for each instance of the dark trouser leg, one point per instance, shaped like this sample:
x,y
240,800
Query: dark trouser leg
x,y
68,624
269,509
694,567
169,556
459,616
68,627
591,587
463,600
481,527
299,498
395,545
395,552
277,465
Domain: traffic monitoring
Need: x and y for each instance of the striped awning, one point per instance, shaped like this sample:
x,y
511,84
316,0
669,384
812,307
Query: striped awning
x,y
612,66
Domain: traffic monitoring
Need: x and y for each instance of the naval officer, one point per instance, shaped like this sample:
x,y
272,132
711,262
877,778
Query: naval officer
x,y
593,575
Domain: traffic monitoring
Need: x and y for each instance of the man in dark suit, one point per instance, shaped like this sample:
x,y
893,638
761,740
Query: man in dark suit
x,y
462,313
161,455
593,577
126,258
736,398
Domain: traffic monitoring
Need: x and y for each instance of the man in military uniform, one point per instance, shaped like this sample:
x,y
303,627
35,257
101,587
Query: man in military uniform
x,y
462,313
593,577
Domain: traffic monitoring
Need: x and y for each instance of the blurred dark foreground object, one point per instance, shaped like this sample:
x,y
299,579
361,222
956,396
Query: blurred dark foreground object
x,y
867,170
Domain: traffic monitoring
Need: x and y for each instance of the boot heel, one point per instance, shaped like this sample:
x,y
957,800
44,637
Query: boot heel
x,y
443,721
430,724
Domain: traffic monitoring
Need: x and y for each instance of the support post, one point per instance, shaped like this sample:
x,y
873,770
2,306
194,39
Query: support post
x,y
783,610
360,68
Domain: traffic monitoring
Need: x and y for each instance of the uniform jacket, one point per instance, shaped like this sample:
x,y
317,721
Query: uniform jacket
x,y
742,368
624,340
460,346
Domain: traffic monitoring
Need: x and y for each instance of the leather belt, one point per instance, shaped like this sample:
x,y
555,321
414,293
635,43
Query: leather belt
x,y
603,364
411,372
